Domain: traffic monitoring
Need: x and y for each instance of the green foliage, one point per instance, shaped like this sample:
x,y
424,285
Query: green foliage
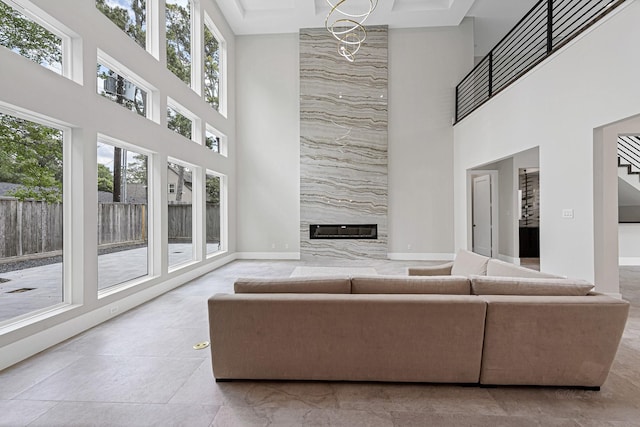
x,y
135,29
211,69
178,20
137,171
105,179
178,123
31,155
213,143
29,39
213,190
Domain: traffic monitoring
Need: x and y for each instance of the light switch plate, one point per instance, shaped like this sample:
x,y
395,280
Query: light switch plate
x,y
567,213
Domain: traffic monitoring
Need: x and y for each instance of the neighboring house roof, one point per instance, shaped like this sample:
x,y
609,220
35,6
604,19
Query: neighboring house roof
x,y
7,187
105,197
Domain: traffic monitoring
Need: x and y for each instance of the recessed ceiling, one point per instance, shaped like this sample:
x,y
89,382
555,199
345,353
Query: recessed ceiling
x,y
493,18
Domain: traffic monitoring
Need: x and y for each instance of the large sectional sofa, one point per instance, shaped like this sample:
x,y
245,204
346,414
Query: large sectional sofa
x,y
476,329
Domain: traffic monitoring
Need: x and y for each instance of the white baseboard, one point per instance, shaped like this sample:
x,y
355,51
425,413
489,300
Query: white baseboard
x,y
19,350
397,256
268,255
629,261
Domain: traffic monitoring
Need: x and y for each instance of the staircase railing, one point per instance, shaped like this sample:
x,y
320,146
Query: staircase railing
x,y
548,26
629,153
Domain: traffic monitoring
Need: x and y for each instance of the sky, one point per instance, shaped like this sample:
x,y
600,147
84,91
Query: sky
x,y
105,156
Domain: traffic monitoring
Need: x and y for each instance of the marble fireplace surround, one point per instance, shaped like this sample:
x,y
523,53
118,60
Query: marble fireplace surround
x,y
343,143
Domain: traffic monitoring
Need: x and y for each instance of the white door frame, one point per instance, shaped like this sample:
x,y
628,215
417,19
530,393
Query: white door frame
x,y
495,209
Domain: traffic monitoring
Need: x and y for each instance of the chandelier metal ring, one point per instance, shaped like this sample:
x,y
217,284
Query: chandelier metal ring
x,y
349,29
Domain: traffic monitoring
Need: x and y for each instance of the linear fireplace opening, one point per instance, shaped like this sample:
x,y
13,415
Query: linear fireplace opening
x,y
343,231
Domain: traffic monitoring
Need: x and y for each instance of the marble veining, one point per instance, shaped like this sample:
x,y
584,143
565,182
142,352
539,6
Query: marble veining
x,y
343,142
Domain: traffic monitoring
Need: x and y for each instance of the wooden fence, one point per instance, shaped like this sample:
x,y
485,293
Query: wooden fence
x,y
29,227
33,227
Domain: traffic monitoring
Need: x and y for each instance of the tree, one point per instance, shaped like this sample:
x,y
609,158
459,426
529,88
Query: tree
x,y
178,20
137,170
29,39
136,29
178,123
213,190
105,179
211,69
31,155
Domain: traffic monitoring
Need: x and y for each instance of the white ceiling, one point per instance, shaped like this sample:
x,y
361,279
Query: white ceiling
x,y
493,18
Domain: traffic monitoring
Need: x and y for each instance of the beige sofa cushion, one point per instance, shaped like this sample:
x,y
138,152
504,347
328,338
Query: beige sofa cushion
x,y
495,267
419,338
294,285
451,285
489,285
468,263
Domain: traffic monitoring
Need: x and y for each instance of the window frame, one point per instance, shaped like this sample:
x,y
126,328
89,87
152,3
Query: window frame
x,y
222,45
223,248
222,147
196,205
71,49
70,296
151,225
196,134
108,61
194,77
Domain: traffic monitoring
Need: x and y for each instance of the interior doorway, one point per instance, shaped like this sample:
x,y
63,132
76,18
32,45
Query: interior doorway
x,y
482,215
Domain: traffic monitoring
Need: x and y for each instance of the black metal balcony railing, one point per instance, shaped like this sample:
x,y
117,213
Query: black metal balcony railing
x,y
629,153
548,26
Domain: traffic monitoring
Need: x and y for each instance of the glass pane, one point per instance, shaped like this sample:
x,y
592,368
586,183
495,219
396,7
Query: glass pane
x,y
25,37
211,69
178,123
213,213
129,15
31,215
180,214
213,142
121,91
178,24
123,215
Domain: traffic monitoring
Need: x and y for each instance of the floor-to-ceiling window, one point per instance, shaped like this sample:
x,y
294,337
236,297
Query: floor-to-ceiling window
x,y
105,155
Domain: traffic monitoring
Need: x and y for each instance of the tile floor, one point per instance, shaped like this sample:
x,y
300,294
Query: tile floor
x,y
140,369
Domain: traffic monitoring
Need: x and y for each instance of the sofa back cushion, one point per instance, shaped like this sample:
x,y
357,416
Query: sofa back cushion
x,y
489,285
467,263
495,267
294,285
449,285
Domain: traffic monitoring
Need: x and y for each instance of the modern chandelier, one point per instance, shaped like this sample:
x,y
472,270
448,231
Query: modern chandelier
x,y
346,25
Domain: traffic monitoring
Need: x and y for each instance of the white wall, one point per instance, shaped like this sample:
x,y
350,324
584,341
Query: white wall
x,y
629,244
26,86
557,106
268,160
424,67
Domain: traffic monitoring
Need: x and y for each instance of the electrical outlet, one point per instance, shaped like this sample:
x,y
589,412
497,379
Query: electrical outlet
x,y
113,310
273,246
567,213
409,247
286,246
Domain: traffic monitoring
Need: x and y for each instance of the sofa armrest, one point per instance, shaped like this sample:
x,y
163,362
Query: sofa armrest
x,y
551,340
432,270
